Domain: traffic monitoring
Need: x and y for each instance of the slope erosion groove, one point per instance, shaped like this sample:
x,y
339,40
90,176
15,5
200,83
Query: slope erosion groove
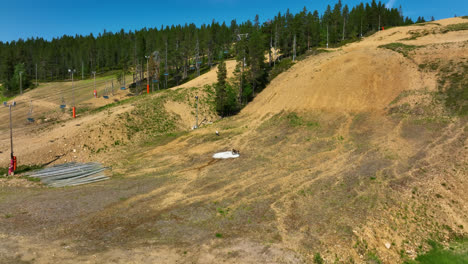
x,y
353,154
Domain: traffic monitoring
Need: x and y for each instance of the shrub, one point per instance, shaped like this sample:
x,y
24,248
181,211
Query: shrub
x,y
280,67
318,259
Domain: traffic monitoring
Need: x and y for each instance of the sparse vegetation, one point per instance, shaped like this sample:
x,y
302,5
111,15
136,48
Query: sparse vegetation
x,y
400,48
415,34
294,120
432,65
318,259
373,258
8,216
21,169
455,27
31,179
149,118
453,85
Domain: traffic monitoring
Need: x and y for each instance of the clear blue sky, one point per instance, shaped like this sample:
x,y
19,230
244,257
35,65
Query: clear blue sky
x,y
53,18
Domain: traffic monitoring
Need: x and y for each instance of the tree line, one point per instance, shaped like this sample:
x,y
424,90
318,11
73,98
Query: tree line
x,y
177,53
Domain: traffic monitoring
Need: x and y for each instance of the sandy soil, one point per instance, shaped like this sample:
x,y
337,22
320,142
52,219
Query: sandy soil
x,y
342,177
209,77
357,77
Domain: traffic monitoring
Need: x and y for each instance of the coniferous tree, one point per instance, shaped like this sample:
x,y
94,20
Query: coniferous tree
x,y
226,101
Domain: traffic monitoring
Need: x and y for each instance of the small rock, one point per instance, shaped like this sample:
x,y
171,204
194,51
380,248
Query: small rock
x,y
74,150
387,245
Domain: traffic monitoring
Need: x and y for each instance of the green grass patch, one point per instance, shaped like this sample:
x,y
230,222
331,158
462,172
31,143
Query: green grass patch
x,y
4,98
31,179
149,118
318,259
453,86
417,34
432,66
456,253
402,95
372,257
427,23
8,216
294,120
287,120
21,169
3,172
400,48
455,27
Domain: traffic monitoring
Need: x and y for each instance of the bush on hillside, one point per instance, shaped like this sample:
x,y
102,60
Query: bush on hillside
x,y
280,67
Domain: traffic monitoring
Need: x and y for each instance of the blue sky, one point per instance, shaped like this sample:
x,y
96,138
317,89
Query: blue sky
x,y
53,18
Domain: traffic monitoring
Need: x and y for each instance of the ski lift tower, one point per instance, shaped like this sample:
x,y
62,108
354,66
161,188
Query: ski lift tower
x,y
240,36
197,57
12,167
21,83
73,92
147,74
196,102
122,84
166,73
94,92
156,60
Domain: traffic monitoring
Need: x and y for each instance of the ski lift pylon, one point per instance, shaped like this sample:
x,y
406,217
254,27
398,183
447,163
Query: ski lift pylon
x,y
30,119
63,105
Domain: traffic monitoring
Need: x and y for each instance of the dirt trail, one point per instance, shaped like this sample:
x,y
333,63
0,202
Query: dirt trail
x,y
209,77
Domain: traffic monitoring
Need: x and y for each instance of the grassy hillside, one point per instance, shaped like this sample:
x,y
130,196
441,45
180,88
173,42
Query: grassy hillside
x,y
351,156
